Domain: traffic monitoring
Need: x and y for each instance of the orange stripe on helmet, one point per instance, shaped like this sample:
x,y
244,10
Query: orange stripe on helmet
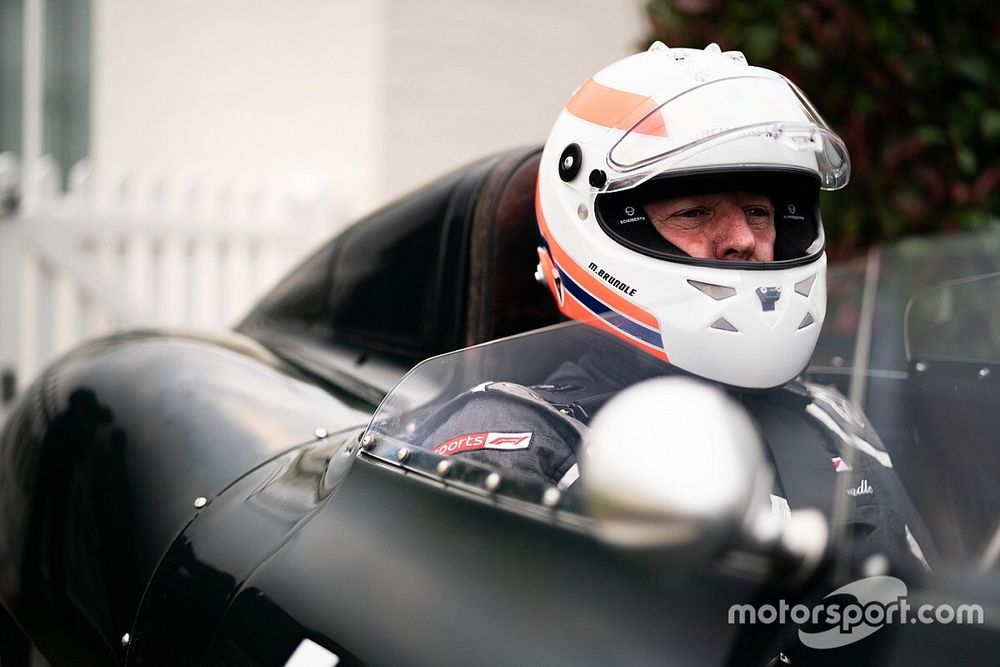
x,y
586,280
610,107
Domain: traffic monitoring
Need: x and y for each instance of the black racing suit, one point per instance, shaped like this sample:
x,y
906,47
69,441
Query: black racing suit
x,y
810,432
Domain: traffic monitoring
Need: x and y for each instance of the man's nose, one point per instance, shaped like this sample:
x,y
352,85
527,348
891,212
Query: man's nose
x,y
732,237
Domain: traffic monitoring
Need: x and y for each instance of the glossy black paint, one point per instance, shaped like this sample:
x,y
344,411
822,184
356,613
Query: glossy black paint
x,y
305,537
384,567
389,568
103,458
243,526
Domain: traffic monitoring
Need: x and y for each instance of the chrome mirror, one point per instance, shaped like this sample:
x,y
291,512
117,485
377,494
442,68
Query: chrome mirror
x,y
674,462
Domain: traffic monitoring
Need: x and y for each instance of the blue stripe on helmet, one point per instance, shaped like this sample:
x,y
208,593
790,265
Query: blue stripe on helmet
x,y
610,315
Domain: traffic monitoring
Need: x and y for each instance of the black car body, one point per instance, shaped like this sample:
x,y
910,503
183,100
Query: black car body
x,y
170,498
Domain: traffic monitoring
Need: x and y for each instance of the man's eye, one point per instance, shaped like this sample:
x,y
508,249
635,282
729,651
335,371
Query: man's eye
x,y
690,213
757,211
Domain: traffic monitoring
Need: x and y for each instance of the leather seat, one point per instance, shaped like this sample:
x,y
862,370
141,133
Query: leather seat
x,y
504,298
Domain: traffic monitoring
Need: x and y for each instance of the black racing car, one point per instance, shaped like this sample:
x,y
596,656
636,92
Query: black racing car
x,y
258,498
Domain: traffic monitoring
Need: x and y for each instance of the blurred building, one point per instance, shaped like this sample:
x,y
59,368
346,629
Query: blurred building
x,y
379,95
162,162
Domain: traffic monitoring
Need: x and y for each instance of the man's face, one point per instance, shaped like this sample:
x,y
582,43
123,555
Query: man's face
x,y
728,225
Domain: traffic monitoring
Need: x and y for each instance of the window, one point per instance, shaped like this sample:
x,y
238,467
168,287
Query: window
x,y
64,125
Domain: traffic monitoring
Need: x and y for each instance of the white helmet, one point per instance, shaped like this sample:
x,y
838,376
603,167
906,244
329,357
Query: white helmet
x,y
683,121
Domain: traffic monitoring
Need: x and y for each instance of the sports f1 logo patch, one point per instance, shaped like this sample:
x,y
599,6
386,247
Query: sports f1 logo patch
x,y
471,442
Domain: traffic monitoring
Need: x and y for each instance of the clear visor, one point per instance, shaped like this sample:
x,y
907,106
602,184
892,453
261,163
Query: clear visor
x,y
715,119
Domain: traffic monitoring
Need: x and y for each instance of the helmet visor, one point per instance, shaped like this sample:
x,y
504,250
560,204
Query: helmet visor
x,y
716,119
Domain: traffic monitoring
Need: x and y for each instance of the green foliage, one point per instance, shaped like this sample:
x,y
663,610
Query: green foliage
x,y
912,86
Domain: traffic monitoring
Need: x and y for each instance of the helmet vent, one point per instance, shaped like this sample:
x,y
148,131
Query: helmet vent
x,y
807,320
717,292
803,287
722,324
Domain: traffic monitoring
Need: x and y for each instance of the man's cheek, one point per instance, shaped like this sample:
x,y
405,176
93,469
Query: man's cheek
x,y
764,252
693,243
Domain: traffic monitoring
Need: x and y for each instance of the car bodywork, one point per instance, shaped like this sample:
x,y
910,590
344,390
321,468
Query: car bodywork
x,y
168,498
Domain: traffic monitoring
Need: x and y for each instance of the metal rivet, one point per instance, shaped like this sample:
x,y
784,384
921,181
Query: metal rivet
x,y
564,411
582,212
200,501
921,367
493,481
443,468
784,659
367,441
568,162
551,497
126,639
320,433
402,455
984,373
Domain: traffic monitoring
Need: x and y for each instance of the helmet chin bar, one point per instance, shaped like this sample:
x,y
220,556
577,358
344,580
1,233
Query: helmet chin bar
x,y
752,329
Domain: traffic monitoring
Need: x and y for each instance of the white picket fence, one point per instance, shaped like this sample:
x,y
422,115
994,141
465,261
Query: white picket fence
x,y
136,250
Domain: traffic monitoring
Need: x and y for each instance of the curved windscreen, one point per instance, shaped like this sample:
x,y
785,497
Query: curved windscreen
x,y
958,321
